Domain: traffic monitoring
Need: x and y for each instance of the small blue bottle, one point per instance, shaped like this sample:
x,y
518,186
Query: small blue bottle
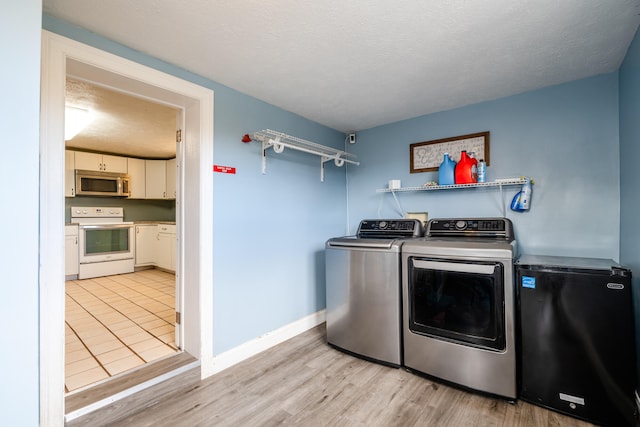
x,y
446,171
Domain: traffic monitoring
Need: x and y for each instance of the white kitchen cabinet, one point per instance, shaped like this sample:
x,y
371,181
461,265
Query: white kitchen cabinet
x,y
171,179
166,249
100,162
146,242
71,255
137,178
69,174
156,179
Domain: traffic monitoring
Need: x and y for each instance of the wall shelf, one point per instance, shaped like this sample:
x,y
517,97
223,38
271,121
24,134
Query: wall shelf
x,y
497,183
278,141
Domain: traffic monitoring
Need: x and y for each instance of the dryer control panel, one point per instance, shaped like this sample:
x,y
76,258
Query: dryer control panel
x,y
393,227
466,227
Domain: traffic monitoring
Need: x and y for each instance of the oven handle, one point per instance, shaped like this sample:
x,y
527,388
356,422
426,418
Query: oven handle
x,y
451,266
105,226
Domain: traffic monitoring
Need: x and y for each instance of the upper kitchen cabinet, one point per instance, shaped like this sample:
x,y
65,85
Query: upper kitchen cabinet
x,y
100,162
137,178
171,179
156,179
69,174
160,176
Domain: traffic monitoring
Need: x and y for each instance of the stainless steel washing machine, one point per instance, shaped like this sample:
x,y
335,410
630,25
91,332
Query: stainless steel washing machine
x,y
459,304
363,289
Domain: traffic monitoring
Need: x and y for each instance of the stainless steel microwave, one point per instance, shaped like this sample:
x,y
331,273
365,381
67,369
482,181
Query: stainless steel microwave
x,y
93,183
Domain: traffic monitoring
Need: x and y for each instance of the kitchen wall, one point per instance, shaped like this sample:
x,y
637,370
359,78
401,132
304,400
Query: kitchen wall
x,y
629,157
564,136
20,111
269,230
134,209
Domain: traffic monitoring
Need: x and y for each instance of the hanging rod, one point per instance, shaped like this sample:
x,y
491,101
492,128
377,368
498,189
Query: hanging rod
x,y
278,141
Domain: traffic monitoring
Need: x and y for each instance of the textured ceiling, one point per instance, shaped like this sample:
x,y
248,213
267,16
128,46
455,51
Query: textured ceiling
x,y
123,124
356,64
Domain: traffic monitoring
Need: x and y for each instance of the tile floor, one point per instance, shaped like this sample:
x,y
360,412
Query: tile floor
x,y
117,323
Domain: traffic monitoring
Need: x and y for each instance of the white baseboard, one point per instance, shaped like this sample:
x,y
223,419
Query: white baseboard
x,y
264,342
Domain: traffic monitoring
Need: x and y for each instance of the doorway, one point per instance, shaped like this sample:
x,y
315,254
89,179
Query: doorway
x,y
122,318
196,235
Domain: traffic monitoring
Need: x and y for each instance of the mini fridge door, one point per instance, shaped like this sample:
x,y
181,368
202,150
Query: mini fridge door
x,y
577,342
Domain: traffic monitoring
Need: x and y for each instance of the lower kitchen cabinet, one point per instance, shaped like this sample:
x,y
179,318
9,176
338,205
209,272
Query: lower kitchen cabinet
x,y
146,243
71,255
156,246
166,255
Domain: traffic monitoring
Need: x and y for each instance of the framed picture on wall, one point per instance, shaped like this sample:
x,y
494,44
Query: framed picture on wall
x,y
427,156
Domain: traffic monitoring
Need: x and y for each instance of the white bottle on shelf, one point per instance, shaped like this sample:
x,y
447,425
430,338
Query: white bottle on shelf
x,y
482,171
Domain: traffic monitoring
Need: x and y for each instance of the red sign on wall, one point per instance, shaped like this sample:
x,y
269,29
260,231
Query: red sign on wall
x,y
224,169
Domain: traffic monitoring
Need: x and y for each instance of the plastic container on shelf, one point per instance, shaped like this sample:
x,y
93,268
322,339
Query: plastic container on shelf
x,y
465,171
446,171
522,200
482,171
474,168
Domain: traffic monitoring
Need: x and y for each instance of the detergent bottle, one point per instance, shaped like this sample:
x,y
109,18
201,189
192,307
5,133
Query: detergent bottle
x,y
466,172
522,200
474,168
446,171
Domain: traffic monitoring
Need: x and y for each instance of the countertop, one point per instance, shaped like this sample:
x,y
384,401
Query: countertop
x,y
136,222
154,222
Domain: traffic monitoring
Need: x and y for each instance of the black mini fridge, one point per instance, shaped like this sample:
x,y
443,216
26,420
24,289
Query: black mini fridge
x,y
576,338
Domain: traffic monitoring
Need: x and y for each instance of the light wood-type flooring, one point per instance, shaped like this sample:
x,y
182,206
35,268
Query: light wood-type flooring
x,y
305,382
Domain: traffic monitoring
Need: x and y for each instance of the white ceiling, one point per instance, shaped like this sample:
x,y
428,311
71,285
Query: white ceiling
x,y
352,65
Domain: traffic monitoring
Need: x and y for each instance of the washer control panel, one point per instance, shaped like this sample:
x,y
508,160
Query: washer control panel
x,y
465,227
396,227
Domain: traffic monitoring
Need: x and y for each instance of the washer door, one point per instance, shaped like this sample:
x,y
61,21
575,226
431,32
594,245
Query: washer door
x,y
458,301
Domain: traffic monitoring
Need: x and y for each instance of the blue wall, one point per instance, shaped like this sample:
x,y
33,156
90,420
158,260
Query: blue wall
x,y
269,230
240,198
20,111
629,156
565,137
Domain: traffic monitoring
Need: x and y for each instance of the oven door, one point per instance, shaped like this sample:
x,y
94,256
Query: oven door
x,y
105,242
457,301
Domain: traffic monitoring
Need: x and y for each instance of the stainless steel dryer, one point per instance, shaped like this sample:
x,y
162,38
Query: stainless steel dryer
x,y
459,303
363,289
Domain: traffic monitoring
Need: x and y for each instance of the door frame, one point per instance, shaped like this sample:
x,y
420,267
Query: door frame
x,y
195,212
